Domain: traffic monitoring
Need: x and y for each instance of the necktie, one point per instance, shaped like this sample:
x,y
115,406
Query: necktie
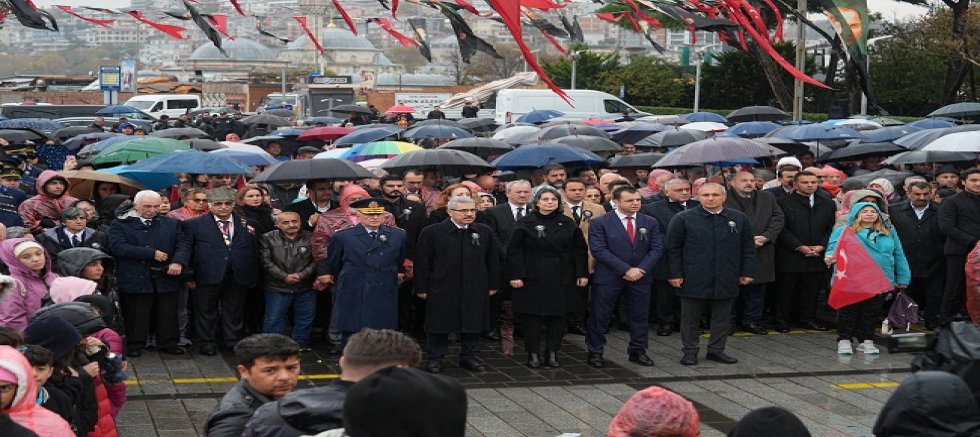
x,y
374,235
520,213
630,231
577,214
75,242
225,231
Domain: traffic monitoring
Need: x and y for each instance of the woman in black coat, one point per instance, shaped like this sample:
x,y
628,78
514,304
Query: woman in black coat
x,y
547,260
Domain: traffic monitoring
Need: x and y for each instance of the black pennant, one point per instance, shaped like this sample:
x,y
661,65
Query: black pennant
x,y
572,27
30,17
205,26
469,43
258,27
422,36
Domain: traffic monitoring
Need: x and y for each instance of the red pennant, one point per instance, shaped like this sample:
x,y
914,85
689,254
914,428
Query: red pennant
x,y
173,31
343,14
857,276
238,7
394,7
402,39
220,23
554,42
103,23
510,12
639,14
777,35
543,5
302,24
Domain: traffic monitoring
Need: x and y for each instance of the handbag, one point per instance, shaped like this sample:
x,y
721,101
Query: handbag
x,y
904,312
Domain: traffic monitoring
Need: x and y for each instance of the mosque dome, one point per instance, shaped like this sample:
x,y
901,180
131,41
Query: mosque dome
x,y
238,49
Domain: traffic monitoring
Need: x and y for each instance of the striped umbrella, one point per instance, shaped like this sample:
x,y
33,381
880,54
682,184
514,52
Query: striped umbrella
x,y
378,149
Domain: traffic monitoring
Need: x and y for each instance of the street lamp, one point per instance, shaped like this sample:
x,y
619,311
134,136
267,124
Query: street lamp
x,y
698,59
867,70
574,55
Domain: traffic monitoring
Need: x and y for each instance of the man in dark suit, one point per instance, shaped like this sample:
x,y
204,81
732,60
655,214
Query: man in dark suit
x,y
226,264
917,223
366,261
319,200
150,254
678,192
626,245
785,176
958,220
72,232
800,270
411,217
502,218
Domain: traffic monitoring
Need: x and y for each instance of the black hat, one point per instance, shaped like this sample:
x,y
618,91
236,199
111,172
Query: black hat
x,y
948,168
308,149
370,206
376,406
769,421
59,336
11,172
11,160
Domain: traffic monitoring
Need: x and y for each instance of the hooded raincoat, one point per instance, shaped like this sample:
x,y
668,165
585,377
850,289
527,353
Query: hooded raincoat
x,y
930,403
26,297
886,250
44,210
25,411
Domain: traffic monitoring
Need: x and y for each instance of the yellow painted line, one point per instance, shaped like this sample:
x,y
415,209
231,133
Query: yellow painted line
x,y
311,377
865,385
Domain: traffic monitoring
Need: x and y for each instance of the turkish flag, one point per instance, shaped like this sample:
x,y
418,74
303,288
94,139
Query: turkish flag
x,y
857,277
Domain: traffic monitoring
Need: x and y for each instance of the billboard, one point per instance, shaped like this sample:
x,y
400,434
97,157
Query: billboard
x,y
127,72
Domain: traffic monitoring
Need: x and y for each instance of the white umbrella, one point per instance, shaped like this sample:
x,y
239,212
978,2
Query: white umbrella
x,y
956,142
246,154
373,164
859,124
332,153
706,126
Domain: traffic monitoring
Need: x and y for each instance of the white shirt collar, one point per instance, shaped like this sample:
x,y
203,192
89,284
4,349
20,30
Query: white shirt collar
x,y
623,216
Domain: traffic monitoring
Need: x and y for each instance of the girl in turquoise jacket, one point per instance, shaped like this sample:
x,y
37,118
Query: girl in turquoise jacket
x,y
882,243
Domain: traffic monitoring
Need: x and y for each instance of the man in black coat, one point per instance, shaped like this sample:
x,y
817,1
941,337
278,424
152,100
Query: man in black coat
x,y
409,216
72,232
917,223
958,219
457,270
150,254
678,199
712,253
785,177
226,264
800,270
319,200
502,218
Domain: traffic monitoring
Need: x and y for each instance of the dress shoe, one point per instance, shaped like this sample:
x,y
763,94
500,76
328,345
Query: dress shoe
x,y
134,352
172,350
781,328
492,334
433,366
720,357
472,364
553,360
690,359
533,361
576,330
595,360
813,326
755,329
664,330
641,359
209,350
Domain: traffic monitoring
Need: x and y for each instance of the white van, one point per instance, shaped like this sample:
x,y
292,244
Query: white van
x,y
170,104
513,103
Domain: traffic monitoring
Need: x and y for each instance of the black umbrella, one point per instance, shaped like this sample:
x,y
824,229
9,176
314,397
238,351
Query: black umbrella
x,y
303,170
672,138
205,144
958,110
368,135
68,132
446,161
74,143
928,157
597,145
550,131
351,109
266,119
637,132
636,160
717,151
482,147
180,133
22,134
222,110
284,113
479,124
897,178
890,133
757,113
436,131
792,147
855,151
920,139
440,122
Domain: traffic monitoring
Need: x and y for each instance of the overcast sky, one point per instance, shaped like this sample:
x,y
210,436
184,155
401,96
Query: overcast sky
x,y
889,9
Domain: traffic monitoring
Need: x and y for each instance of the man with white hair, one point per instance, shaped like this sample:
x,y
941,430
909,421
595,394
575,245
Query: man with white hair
x,y
150,255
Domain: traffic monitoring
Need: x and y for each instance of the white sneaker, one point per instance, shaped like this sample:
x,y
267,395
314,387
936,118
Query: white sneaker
x,y
844,347
868,347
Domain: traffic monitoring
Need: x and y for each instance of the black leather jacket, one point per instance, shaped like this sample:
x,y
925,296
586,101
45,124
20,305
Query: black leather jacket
x,y
302,412
282,256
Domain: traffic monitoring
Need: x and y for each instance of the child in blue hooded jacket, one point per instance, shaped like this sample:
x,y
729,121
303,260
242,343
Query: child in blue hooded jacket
x,y
881,241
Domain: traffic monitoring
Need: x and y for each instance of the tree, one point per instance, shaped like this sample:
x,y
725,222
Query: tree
x,y
488,68
410,57
588,68
738,79
959,43
648,80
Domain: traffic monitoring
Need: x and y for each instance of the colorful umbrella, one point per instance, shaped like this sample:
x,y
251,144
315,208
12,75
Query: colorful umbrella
x,y
329,133
379,149
139,149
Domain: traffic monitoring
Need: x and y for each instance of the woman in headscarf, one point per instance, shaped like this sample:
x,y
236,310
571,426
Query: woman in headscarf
x,y
18,397
547,260
858,320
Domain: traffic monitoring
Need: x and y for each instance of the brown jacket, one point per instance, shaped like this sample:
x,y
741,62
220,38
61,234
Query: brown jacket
x,y
594,211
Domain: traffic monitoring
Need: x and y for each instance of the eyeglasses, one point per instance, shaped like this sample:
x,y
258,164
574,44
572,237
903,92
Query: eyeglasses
x,y
7,388
465,211
199,200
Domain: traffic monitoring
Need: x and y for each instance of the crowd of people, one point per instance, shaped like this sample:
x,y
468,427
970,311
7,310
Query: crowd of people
x,y
466,259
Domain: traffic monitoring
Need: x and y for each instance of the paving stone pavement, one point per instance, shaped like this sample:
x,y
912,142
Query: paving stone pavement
x,y
800,371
